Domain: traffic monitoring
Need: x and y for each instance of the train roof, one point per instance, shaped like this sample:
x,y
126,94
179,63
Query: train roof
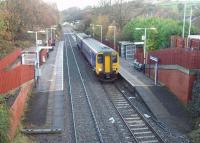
x,y
97,46
82,36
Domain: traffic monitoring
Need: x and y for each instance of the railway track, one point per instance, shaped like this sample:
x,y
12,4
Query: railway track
x,y
86,128
136,123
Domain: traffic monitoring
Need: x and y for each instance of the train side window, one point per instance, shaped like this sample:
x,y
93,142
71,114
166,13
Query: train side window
x,y
114,58
100,59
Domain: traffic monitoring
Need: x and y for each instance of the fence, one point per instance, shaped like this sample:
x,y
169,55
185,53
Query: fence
x,y
185,57
12,79
9,59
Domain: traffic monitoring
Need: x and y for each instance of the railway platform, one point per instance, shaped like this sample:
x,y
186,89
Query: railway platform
x,y
46,106
160,101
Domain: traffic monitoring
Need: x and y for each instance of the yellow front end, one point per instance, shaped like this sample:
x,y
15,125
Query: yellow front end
x,y
116,65
107,65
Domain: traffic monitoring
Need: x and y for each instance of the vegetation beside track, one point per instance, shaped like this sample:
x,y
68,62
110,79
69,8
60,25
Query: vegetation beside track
x,y
4,120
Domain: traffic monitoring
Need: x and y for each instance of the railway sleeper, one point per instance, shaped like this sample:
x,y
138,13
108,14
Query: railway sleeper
x,y
137,125
152,141
147,137
142,132
132,119
138,129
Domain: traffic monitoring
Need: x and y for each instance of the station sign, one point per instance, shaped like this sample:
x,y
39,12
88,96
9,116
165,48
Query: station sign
x,y
155,59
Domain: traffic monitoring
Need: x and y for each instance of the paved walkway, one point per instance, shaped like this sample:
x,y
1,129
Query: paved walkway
x,y
46,106
55,111
161,102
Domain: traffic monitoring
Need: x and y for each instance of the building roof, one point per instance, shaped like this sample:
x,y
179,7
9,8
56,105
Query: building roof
x,y
194,37
126,42
82,35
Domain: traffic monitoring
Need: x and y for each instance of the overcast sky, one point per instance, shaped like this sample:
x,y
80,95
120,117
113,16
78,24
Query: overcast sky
x,y
64,4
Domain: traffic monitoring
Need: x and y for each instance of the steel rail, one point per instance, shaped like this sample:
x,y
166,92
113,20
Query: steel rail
x,y
87,97
71,101
120,115
140,114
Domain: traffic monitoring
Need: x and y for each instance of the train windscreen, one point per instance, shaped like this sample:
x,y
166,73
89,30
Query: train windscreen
x,y
100,58
114,58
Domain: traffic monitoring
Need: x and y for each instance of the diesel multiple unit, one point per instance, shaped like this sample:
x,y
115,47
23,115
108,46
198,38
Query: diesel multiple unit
x,y
103,59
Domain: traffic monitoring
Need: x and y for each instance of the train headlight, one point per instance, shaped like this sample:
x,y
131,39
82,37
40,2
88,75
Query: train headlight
x,y
100,69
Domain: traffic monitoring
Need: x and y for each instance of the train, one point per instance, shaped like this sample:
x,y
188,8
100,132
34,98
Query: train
x,y
103,59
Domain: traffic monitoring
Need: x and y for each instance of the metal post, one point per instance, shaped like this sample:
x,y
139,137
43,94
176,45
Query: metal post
x,y
47,34
190,21
36,37
114,37
156,73
37,51
183,31
145,37
93,30
101,29
51,34
190,24
101,34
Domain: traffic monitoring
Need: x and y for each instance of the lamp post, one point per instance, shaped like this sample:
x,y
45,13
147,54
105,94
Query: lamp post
x,y
92,30
145,36
114,29
47,36
101,28
183,31
47,33
53,27
37,66
36,35
191,11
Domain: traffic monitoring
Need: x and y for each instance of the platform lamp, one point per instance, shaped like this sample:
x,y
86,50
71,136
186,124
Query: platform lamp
x,y
37,50
145,37
114,32
101,28
92,30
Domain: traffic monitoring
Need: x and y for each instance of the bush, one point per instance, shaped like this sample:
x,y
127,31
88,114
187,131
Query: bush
x,y
194,105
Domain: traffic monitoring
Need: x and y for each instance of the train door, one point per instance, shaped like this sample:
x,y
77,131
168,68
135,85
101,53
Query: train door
x,y
107,63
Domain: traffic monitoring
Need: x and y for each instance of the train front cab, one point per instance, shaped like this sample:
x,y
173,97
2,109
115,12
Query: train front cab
x,y
107,65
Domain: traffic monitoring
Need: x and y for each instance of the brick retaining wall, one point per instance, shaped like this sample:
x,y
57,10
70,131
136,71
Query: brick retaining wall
x,y
17,109
178,82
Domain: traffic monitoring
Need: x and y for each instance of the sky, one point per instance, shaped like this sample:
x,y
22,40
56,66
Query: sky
x,y
64,4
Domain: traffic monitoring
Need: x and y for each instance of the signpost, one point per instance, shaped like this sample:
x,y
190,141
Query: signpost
x,y
155,59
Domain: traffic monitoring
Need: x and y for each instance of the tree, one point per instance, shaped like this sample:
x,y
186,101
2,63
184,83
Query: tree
x,y
159,38
18,16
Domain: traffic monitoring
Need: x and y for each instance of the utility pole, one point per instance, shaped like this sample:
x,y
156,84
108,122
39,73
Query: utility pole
x,y
190,21
183,31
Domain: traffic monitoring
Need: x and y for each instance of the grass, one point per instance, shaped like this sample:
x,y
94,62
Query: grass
x,y
4,117
21,138
4,121
195,133
195,136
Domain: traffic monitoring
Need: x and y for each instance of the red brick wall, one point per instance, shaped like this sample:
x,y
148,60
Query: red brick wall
x,y
179,42
12,79
17,109
178,82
